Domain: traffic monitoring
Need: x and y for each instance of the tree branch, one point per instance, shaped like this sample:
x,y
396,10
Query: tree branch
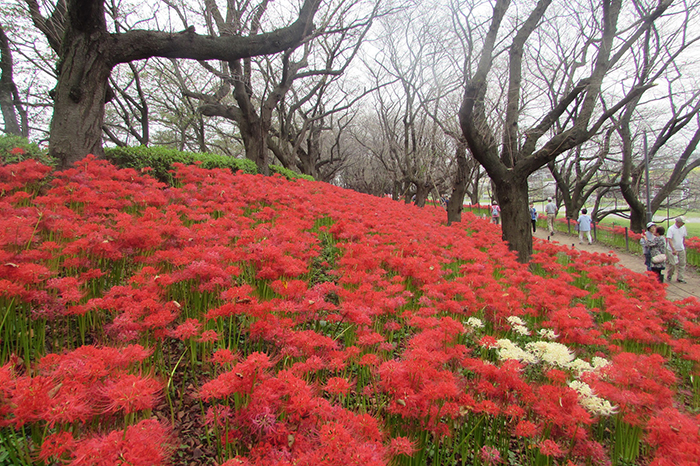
x,y
471,113
140,44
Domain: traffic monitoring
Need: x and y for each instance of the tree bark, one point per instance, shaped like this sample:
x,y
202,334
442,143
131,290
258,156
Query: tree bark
x,y
76,125
459,187
422,191
9,97
254,136
310,158
638,219
512,197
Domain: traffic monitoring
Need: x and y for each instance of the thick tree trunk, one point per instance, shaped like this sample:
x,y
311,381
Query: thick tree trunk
x,y
254,138
512,196
637,208
304,161
459,188
314,152
9,101
396,191
638,220
422,191
76,126
7,106
309,158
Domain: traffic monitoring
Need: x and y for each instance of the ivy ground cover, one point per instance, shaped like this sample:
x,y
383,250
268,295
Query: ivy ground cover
x,y
239,319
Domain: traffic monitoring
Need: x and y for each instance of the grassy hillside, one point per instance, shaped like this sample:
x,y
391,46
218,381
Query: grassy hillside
x,y
240,319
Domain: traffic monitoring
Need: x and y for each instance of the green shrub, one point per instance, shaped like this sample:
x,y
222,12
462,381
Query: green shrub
x,y
289,174
161,160
15,149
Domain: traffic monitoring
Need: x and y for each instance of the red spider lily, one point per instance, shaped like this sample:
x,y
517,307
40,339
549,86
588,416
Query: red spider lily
x,y
18,175
146,443
559,407
574,325
88,363
337,386
402,446
242,378
550,448
56,445
209,336
675,437
74,389
191,328
130,393
638,384
490,455
309,366
240,255
224,356
527,429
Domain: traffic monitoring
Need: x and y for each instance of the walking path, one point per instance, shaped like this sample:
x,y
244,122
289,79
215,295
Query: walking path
x,y
674,291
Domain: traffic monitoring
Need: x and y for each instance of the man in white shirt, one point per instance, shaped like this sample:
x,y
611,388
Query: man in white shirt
x,y
551,210
675,245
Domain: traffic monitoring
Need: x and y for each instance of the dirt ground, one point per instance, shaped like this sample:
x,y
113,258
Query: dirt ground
x,y
674,290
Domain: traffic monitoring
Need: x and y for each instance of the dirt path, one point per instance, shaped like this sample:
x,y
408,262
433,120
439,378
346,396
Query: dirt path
x,y
674,291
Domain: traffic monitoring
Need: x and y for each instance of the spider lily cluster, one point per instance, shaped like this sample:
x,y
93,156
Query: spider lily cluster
x,y
312,325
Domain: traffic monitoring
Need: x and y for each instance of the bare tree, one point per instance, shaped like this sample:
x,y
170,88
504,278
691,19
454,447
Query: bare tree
x,y
574,115
313,141
13,113
583,171
130,108
415,149
255,103
676,132
365,173
88,51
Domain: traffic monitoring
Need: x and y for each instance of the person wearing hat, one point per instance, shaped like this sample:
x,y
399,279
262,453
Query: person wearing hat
x,y
646,238
675,245
551,210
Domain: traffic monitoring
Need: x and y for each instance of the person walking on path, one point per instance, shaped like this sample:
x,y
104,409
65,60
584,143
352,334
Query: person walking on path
x,y
584,226
495,213
533,217
676,247
551,210
646,238
625,260
657,248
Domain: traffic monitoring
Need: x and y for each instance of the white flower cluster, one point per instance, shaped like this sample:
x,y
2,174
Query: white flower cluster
x,y
599,362
557,354
551,352
590,401
547,334
581,366
509,350
515,320
518,325
474,322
